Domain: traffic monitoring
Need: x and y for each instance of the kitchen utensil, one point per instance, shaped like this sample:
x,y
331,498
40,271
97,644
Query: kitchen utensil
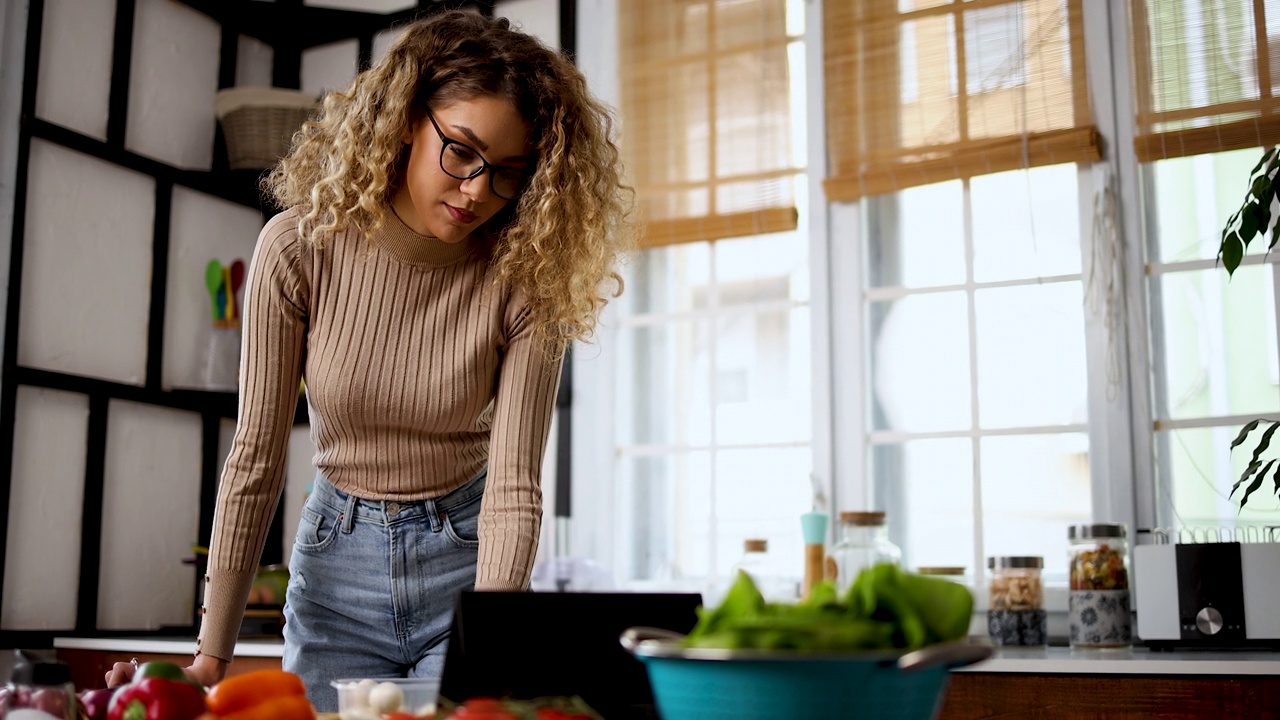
x,y
237,281
229,299
814,527
711,683
213,281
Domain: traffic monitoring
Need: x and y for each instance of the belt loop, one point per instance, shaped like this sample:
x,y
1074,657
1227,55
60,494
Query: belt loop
x,y
349,515
433,512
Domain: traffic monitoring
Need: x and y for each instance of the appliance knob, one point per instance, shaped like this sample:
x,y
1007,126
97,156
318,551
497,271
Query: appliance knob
x,y
1209,621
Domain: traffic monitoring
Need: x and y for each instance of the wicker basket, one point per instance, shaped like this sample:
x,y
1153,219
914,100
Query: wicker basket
x,y
259,123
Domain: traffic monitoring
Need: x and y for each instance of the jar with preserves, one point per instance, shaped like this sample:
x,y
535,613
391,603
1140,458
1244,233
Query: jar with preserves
x,y
1016,614
1098,600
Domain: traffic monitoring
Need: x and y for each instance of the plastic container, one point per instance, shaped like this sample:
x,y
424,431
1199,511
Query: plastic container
x,y
1016,614
40,687
863,541
1098,601
373,698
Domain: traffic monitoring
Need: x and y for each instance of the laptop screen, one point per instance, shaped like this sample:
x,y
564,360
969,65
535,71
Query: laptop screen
x,y
539,644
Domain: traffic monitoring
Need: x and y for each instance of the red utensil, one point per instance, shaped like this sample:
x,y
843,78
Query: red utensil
x,y
237,280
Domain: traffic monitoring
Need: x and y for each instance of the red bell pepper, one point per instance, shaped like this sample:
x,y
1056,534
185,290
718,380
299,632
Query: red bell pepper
x,y
155,698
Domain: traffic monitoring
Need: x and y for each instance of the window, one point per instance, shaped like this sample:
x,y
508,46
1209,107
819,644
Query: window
x,y
1001,331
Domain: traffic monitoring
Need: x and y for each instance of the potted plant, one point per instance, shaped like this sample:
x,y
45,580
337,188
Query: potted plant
x,y
1255,218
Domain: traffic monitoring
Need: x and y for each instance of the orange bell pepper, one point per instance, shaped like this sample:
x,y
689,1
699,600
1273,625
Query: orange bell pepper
x,y
283,707
252,689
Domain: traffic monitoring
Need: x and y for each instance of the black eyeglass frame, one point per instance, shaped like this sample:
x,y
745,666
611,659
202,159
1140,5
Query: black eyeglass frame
x,y
446,141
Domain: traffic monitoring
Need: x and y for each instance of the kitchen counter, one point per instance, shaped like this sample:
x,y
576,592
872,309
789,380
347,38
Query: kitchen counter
x,y
1134,661
166,646
1038,661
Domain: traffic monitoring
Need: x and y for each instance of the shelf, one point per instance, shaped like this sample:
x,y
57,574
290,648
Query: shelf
x,y
288,24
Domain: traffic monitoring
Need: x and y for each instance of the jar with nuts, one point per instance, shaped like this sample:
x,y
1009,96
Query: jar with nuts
x,y
1016,614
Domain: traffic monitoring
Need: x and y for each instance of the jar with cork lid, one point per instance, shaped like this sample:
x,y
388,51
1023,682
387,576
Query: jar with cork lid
x,y
1016,614
863,541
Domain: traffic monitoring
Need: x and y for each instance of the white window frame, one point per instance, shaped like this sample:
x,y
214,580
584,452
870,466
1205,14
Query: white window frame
x,y
1122,461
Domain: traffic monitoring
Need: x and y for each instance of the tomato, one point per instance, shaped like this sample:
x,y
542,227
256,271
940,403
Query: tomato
x,y
399,715
484,703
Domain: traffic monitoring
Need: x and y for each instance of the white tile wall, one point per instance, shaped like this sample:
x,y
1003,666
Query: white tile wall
x,y
86,266
173,81
74,81
300,472
42,561
202,228
383,41
151,503
330,67
254,59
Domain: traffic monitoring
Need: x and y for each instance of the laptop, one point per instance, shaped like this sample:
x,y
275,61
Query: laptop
x,y
537,644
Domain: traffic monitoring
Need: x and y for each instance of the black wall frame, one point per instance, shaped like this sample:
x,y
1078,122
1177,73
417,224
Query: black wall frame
x,y
289,27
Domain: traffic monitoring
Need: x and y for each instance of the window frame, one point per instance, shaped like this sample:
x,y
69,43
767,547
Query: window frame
x,y
1122,457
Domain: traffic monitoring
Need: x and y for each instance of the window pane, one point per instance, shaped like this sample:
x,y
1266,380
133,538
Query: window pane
x,y
1194,197
926,489
762,268
1031,359
762,494
1033,488
921,242
663,387
920,363
665,512
1026,224
1219,342
668,280
1202,471
762,377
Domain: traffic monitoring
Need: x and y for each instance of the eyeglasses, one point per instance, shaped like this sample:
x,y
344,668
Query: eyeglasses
x,y
463,162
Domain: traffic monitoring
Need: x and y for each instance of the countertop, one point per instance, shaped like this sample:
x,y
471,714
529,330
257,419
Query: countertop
x,y
1041,661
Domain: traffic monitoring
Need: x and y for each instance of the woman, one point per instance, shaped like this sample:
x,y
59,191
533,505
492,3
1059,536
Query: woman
x,y
453,222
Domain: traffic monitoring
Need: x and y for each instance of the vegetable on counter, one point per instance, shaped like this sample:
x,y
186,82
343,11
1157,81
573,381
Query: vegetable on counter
x,y
260,695
157,698
885,608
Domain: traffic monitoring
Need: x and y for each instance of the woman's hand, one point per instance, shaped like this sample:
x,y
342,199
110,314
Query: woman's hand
x,y
205,669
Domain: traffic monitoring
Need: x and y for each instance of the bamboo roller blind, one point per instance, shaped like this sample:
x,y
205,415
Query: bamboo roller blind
x,y
922,91
1206,76
706,117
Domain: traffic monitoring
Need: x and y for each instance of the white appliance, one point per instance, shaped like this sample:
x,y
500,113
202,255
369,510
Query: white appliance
x,y
1208,590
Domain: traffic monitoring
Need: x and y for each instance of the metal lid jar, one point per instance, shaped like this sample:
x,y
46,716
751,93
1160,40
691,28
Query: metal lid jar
x,y
1016,614
1098,602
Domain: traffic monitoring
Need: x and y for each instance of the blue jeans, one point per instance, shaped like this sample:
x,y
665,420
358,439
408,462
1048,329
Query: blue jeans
x,y
372,585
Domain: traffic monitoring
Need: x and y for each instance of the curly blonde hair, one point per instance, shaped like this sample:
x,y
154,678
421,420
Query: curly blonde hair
x,y
559,242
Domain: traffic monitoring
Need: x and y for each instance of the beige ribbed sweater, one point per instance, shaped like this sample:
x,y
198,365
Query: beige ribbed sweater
x,y
419,371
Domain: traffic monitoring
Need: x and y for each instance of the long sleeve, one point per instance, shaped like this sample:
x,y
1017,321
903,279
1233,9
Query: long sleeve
x,y
511,511
274,331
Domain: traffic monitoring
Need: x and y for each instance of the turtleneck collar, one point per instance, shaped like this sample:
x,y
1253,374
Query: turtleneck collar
x,y
407,246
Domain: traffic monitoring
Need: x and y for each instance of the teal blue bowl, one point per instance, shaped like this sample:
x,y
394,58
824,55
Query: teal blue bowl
x,y
709,684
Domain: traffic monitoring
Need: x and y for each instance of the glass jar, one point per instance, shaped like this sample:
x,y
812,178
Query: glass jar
x,y
756,563
1015,611
863,541
944,572
1098,600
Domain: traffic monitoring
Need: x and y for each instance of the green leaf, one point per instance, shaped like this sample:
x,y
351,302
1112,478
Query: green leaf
x,y
1249,222
1260,186
1264,442
1232,252
1244,433
1256,483
1244,477
1265,157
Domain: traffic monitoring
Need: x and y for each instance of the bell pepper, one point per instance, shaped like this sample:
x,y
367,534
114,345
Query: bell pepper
x,y
241,692
157,698
283,707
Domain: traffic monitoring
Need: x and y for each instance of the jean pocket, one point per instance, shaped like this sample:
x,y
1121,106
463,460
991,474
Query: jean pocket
x,y
462,524
317,528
